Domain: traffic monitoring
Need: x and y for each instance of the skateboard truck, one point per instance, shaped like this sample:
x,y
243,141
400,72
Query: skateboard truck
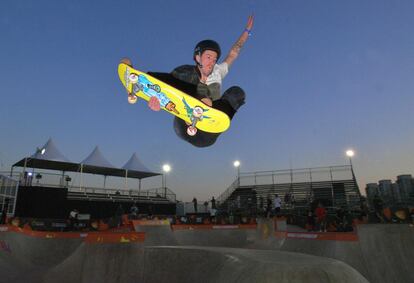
x,y
196,115
133,79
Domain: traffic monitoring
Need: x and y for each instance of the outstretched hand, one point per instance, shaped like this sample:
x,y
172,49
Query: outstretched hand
x,y
250,21
235,50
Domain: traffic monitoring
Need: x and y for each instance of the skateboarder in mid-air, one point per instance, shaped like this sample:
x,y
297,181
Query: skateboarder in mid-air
x,y
203,81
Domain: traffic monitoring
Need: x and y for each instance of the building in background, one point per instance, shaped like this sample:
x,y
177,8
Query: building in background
x,y
385,191
406,186
399,193
371,191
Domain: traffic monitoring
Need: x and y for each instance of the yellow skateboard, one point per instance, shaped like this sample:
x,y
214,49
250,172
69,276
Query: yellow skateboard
x,y
191,110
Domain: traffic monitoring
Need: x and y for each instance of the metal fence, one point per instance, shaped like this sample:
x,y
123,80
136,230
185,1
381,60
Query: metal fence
x,y
8,194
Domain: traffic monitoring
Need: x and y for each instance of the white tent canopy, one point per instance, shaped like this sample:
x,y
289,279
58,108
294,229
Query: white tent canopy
x,y
96,158
49,157
135,164
49,152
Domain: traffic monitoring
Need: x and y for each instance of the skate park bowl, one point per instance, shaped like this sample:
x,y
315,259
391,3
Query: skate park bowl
x,y
208,253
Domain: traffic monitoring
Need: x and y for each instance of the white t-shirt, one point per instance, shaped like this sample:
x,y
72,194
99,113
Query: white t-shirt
x,y
218,74
278,202
215,79
73,214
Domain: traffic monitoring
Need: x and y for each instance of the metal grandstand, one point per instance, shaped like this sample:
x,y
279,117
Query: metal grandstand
x,y
335,186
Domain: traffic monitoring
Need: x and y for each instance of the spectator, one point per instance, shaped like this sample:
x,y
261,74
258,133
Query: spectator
x,y
261,205
292,201
287,198
150,211
213,203
238,202
206,206
134,211
277,204
195,204
348,221
250,206
73,219
340,220
269,207
213,209
321,217
118,215
310,221
183,219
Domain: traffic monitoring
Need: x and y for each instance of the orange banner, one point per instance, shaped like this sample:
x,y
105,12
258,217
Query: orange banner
x,y
154,222
88,237
107,237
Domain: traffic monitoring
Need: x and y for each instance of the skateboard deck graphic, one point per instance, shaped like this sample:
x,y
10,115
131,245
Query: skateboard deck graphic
x,y
173,101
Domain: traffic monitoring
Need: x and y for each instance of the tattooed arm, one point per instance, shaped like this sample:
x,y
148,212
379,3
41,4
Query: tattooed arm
x,y
235,50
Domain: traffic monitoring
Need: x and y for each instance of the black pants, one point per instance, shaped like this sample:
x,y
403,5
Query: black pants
x,y
229,103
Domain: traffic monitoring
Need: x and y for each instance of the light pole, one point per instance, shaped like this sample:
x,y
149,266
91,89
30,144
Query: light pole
x,y
237,165
166,168
350,153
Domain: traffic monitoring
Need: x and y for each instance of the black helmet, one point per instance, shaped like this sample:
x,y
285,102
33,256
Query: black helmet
x,y
207,44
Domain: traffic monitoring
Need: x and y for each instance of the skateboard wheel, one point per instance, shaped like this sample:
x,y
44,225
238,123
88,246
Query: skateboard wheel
x,y
198,112
191,131
132,99
133,78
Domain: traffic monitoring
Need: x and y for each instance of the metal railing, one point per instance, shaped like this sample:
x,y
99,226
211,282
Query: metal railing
x,y
118,193
46,179
334,183
228,191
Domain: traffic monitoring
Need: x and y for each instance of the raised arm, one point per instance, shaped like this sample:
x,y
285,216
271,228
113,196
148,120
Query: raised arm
x,y
235,50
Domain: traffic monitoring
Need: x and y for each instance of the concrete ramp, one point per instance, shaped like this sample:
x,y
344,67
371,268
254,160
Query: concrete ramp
x,y
382,253
388,252
135,263
251,236
26,259
379,253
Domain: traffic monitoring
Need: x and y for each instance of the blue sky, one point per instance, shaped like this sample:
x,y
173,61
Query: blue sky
x,y
320,77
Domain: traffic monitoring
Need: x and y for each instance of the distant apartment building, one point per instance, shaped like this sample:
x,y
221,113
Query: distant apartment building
x,y
371,190
396,192
385,190
400,191
406,186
